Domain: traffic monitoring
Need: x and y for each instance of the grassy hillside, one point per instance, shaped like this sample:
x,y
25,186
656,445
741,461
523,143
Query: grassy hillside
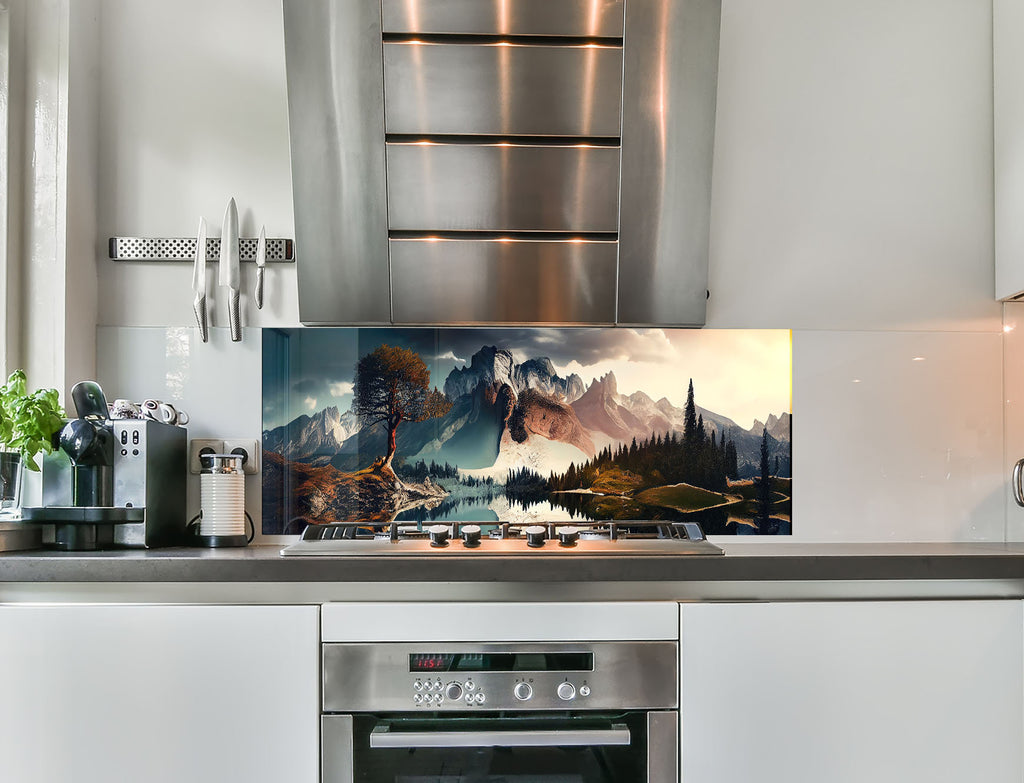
x,y
683,497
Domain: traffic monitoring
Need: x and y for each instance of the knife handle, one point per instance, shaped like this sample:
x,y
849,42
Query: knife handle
x,y
199,306
258,294
234,317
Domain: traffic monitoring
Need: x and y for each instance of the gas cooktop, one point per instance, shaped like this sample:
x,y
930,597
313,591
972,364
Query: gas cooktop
x,y
629,537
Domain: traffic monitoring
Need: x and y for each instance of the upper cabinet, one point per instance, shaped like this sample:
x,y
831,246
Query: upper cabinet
x,y
524,162
1008,130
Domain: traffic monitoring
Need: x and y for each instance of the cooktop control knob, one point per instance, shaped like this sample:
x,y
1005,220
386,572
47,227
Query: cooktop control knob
x,y
535,535
522,691
566,691
471,535
453,691
568,535
438,535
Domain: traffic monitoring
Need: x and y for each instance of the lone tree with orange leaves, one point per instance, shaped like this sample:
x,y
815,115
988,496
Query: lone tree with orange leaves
x,y
392,385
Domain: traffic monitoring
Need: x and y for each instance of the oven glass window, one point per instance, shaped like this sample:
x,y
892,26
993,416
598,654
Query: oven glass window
x,y
616,754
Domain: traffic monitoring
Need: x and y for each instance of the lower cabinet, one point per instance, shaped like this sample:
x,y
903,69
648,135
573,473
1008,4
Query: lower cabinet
x,y
159,694
852,692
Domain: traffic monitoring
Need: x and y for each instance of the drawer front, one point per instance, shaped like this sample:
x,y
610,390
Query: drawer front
x,y
502,187
494,281
595,18
502,89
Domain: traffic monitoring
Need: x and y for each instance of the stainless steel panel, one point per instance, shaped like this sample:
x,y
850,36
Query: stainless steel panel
x,y
502,187
383,737
598,18
663,747
493,281
376,677
336,749
502,89
669,91
336,121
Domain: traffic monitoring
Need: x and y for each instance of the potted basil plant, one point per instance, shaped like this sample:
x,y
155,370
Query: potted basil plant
x,y
28,423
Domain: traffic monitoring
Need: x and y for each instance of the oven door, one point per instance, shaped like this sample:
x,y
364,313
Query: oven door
x,y
630,747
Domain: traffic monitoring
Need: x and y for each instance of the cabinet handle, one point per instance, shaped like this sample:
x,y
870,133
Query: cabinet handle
x,y
1018,489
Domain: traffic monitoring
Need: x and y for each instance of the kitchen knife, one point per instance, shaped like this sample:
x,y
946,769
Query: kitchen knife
x,y
261,262
199,282
229,275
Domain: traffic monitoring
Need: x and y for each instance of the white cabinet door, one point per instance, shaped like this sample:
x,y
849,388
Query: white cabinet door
x,y
885,692
1008,120
159,694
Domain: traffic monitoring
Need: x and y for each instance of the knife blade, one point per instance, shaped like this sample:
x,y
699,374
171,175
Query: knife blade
x,y
261,262
229,274
199,282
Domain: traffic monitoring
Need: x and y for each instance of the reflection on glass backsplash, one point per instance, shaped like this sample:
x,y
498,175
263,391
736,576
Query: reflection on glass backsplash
x,y
527,424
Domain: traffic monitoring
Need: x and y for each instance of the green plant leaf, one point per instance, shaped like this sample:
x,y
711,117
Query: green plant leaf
x,y
28,422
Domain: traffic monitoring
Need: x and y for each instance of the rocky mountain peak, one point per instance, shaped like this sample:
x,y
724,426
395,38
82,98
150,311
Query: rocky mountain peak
x,y
540,374
492,365
606,386
488,365
777,426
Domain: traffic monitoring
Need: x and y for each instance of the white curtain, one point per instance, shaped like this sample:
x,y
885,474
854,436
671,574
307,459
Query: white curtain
x,y
48,247
6,327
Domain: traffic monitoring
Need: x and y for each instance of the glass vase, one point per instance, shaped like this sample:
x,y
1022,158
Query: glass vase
x,y
11,469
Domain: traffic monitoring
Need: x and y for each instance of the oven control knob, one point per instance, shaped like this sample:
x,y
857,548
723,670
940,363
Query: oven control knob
x,y
568,535
453,691
522,691
584,690
438,535
535,535
566,691
471,535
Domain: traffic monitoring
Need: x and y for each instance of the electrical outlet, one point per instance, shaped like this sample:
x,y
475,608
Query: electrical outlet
x,y
199,446
250,451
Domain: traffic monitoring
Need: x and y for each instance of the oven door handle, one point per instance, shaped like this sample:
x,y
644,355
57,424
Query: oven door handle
x,y
382,737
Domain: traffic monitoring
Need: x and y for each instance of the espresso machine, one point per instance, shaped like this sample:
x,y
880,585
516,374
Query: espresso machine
x,y
113,483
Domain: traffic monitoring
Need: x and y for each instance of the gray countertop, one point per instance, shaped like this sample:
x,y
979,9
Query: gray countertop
x,y
742,563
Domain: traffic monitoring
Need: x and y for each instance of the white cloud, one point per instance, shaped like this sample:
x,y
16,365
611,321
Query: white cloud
x,y
451,356
310,403
341,388
742,374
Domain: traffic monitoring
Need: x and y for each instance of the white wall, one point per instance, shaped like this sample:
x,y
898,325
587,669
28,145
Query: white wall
x,y
852,203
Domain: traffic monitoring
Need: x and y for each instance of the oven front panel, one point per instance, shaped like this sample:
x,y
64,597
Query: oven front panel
x,y
474,678
630,747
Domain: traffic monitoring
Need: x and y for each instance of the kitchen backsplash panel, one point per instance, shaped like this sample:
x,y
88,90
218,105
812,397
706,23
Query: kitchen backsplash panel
x,y
489,425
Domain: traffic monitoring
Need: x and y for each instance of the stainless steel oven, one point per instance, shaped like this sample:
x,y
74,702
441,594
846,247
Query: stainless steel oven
x,y
521,712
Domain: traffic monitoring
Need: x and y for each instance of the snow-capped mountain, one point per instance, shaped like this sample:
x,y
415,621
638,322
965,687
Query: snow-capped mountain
x,y
308,437
540,374
492,365
488,365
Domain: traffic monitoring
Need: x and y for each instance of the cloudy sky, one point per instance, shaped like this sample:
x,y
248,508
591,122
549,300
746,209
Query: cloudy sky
x,y
743,374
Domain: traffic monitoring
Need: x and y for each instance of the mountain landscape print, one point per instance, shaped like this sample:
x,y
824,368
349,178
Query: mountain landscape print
x,y
524,425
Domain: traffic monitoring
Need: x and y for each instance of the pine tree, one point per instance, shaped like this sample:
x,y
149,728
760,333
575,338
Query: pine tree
x,y
764,489
732,466
690,417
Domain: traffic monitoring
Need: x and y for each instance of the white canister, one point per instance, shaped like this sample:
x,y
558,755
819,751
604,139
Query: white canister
x,y
222,497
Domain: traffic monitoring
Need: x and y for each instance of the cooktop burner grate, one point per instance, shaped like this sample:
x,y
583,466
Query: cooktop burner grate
x,y
620,537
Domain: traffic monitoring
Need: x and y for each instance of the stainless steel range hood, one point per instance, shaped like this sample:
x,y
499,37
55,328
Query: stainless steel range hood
x,y
502,161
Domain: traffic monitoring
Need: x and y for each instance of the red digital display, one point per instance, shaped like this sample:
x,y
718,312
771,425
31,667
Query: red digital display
x,y
430,662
